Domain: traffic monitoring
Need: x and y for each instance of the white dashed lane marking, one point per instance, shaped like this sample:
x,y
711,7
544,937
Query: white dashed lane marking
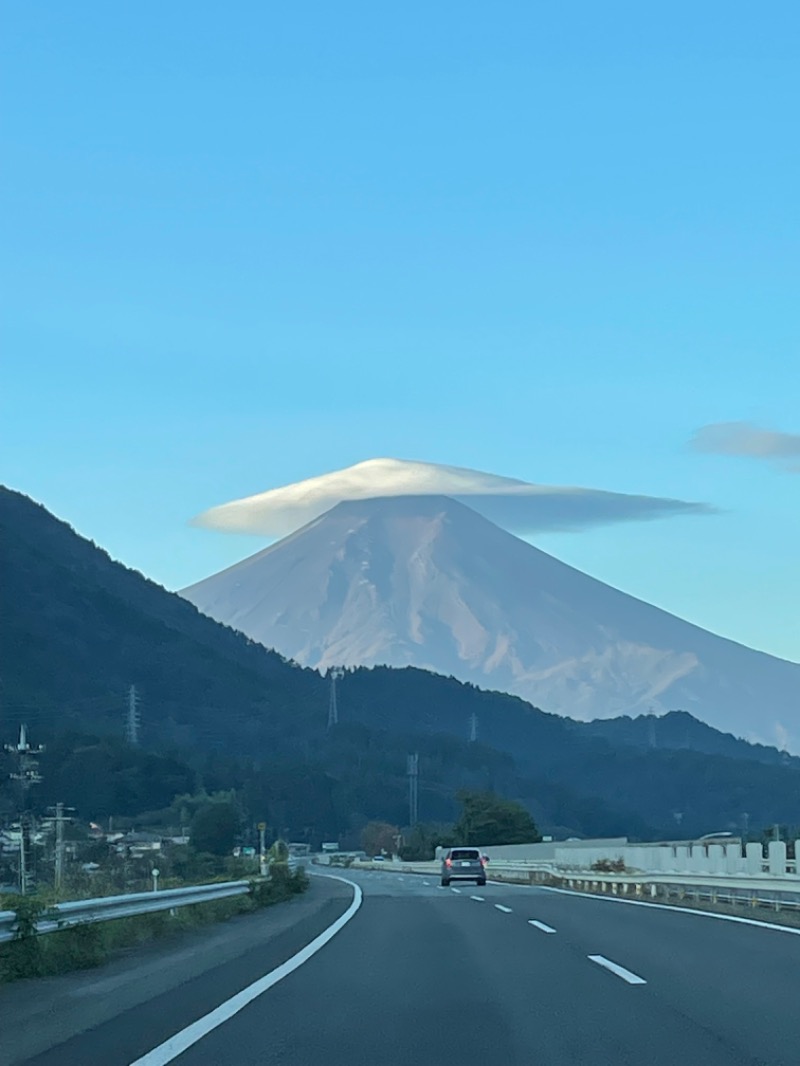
x,y
540,925
505,910
620,971
458,890
478,898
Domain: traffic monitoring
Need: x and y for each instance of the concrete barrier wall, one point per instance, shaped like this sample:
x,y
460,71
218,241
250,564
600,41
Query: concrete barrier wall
x,y
544,851
711,857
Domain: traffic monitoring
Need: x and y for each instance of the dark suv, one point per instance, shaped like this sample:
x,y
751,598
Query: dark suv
x,y
463,864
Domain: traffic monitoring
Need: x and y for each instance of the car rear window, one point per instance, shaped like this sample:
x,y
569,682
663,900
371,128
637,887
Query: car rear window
x,y
464,853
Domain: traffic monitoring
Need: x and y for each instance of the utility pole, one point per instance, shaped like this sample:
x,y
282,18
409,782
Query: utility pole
x,y
412,771
473,728
133,718
59,849
262,851
27,774
333,708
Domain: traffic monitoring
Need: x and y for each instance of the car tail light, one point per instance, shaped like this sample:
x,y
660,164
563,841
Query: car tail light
x,y
484,860
448,862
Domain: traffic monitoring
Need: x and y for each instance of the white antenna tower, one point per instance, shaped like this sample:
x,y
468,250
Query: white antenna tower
x,y
651,735
27,773
133,718
333,707
473,727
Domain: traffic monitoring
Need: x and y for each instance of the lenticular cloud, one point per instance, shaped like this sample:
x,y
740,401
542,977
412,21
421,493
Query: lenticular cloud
x,y
519,506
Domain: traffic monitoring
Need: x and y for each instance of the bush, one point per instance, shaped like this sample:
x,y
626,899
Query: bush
x,y
609,866
299,880
22,957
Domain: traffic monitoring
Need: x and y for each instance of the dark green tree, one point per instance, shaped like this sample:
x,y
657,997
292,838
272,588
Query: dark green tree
x,y
490,819
215,828
379,837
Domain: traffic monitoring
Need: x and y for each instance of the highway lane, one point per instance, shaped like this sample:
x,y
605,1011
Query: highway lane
x,y
423,974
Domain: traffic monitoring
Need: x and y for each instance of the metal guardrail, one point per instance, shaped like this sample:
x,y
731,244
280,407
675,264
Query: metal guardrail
x,y
106,908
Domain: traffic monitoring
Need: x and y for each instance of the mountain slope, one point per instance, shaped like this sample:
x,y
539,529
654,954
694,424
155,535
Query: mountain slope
x,y
679,731
426,581
76,628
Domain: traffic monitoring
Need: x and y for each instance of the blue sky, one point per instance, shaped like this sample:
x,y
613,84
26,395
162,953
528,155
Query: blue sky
x,y
244,247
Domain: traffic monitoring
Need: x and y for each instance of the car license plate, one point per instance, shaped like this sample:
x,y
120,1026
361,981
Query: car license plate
x,y
466,864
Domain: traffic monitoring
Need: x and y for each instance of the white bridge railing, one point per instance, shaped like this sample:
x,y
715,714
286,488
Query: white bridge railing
x,y
763,881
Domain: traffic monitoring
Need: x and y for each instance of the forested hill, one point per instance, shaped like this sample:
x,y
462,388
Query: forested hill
x,y
76,629
679,731
79,628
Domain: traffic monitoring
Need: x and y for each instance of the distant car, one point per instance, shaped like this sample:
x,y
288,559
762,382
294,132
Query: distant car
x,y
378,858
464,864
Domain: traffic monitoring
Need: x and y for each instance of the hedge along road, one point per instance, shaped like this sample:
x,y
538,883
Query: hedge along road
x,y
422,974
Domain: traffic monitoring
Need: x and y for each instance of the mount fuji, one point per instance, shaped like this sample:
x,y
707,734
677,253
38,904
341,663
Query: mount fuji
x,y
426,581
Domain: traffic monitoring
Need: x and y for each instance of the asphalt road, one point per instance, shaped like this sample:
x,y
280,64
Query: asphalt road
x,y
424,975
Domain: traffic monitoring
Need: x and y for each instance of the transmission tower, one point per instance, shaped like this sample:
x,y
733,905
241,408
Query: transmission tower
x,y
27,773
413,789
333,707
473,727
133,717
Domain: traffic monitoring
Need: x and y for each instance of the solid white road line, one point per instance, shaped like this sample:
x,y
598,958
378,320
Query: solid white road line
x,y
620,971
671,907
458,890
505,910
177,1044
478,898
540,925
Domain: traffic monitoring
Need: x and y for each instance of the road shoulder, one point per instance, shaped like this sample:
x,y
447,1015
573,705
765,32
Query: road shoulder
x,y
163,983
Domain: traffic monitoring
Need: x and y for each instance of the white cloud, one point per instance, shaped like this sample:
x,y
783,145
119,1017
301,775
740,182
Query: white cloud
x,y
746,439
519,506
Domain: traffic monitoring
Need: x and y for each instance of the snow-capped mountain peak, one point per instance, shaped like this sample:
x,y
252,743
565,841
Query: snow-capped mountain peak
x,y
426,581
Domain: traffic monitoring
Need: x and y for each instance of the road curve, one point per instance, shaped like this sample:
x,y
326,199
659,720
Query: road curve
x,y
422,975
